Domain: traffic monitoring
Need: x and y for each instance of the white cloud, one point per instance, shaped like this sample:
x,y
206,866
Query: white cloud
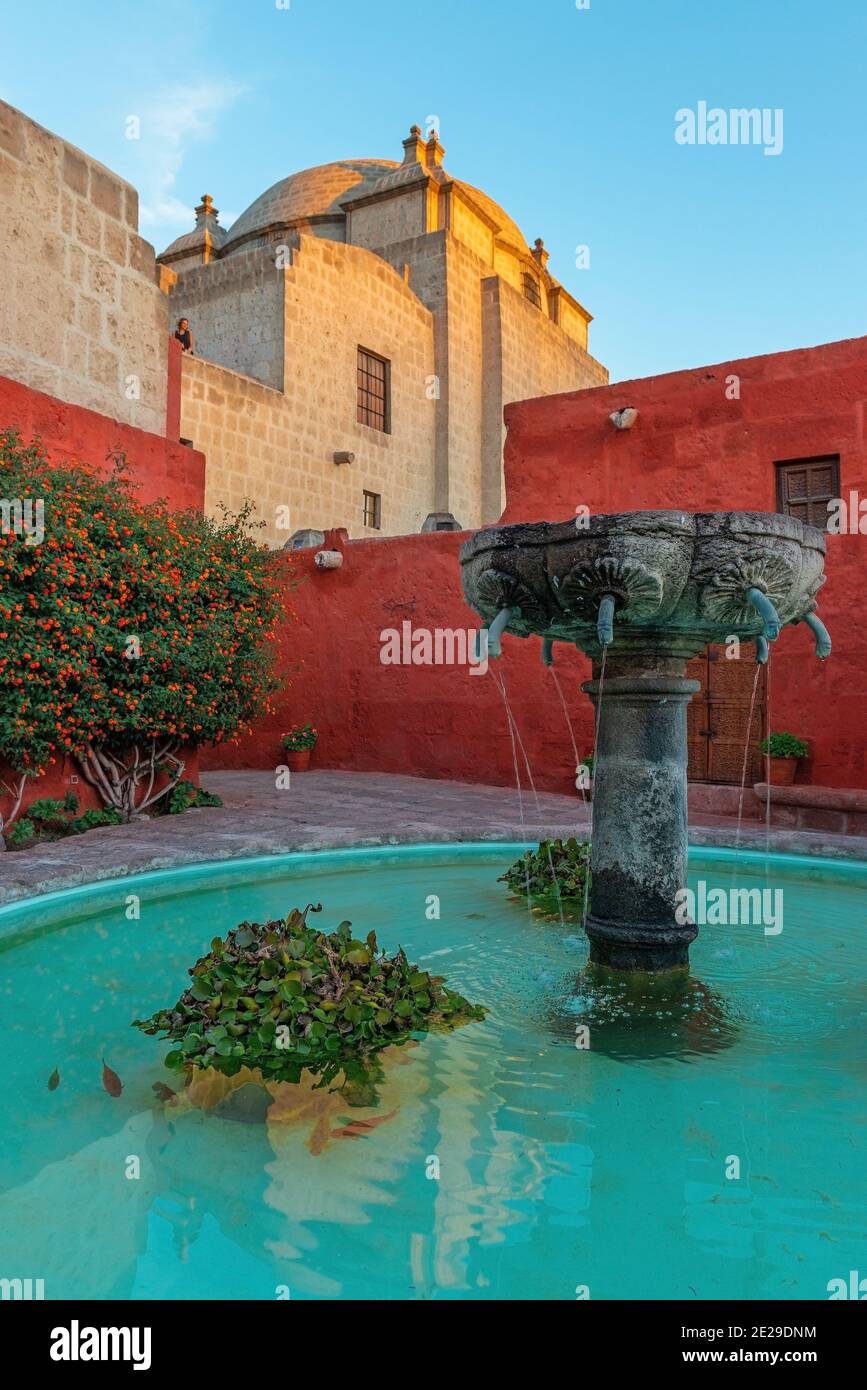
x,y
176,119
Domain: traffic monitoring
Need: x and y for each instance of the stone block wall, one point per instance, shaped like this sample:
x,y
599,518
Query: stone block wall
x,y
526,356
277,446
235,309
81,316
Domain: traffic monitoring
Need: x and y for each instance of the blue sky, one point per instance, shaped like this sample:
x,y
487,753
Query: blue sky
x,y
565,116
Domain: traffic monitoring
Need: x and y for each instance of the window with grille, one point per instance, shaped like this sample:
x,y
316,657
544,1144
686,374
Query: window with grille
x,y
531,289
374,384
806,486
372,510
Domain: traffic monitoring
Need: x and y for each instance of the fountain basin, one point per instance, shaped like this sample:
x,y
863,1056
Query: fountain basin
x,y
539,1189
679,580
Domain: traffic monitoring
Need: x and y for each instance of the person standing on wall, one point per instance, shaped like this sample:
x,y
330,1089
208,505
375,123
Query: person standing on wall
x,y
184,335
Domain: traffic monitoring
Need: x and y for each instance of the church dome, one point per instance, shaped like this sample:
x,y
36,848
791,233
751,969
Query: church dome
x,y
312,193
506,228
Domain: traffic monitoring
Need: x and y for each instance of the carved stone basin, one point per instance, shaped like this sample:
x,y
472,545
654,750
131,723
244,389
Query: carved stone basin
x,y
646,591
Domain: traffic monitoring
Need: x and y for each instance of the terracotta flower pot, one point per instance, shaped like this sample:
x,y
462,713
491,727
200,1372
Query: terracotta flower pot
x,y
297,760
782,771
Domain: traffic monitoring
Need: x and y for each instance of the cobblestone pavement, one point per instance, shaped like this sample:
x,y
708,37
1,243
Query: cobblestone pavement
x,y
326,810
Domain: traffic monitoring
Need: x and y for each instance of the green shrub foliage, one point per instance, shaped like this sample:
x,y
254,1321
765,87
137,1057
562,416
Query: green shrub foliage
x,y
285,996
553,875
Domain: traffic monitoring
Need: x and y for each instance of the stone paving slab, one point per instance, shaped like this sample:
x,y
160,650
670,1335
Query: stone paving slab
x,y
337,810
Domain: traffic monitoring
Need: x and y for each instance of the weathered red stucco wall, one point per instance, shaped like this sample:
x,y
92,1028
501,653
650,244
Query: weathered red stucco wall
x,y
161,466
430,721
694,448
691,448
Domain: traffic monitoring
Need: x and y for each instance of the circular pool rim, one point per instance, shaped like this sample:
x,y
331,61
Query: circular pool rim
x,y
14,914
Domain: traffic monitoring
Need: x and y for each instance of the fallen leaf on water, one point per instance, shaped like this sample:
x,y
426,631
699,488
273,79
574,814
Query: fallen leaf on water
x,y
54,1080
357,1129
110,1080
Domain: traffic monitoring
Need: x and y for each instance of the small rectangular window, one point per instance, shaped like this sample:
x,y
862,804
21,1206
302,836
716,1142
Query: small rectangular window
x,y
374,391
531,289
373,510
806,486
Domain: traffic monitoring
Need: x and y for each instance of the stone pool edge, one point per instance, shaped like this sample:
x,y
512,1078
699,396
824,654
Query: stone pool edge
x,y
252,845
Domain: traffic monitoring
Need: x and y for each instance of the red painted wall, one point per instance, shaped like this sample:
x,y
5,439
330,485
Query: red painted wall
x,y
162,467
429,721
691,448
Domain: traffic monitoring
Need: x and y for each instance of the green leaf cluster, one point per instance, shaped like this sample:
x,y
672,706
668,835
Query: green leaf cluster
x,y
554,876
784,745
185,795
284,996
50,819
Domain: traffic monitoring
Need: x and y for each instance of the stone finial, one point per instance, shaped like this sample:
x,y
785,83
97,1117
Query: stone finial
x,y
434,152
539,253
206,211
413,148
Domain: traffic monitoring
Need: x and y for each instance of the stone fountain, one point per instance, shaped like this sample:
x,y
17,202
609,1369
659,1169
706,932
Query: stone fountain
x,y
641,593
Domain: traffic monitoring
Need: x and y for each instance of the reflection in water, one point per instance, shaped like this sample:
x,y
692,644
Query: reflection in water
x,y
642,1017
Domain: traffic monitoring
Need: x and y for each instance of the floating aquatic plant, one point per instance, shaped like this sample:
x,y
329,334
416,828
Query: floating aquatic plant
x,y
554,876
284,997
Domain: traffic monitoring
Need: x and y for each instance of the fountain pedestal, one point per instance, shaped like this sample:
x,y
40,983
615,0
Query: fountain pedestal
x,y
638,857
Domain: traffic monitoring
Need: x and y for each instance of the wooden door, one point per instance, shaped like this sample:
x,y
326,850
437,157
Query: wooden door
x,y
717,717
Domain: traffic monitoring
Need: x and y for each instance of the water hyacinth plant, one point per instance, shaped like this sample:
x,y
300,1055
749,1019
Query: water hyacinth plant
x,y
284,997
554,876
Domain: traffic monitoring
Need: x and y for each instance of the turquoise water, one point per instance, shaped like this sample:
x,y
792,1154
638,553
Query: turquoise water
x,y
559,1168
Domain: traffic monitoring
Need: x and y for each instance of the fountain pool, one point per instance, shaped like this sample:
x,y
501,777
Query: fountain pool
x,y
559,1169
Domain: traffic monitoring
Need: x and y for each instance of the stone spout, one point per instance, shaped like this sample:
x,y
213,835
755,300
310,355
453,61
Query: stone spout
x,y
767,612
497,627
820,632
605,621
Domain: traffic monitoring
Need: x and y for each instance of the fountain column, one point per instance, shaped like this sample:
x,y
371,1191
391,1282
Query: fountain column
x,y
639,851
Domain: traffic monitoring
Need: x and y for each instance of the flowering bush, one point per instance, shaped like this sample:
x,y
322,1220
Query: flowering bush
x,y
303,736
129,632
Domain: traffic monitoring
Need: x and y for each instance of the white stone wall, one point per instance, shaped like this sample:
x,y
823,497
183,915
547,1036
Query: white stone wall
x,y
81,316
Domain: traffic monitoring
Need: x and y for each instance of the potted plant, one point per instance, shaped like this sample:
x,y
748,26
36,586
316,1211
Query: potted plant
x,y
783,751
298,745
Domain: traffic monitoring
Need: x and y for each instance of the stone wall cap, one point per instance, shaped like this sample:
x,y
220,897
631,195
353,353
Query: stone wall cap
x,y
807,795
